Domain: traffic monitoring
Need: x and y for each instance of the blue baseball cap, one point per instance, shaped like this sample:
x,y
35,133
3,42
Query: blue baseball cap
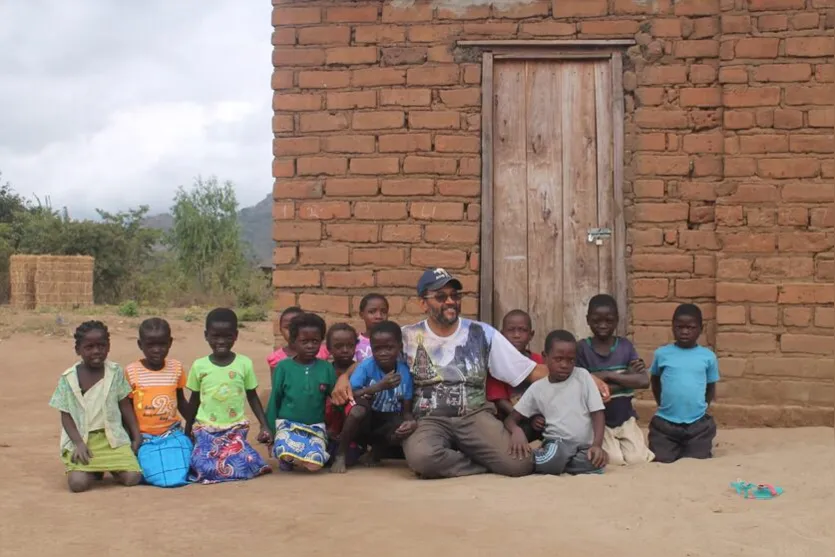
x,y
435,279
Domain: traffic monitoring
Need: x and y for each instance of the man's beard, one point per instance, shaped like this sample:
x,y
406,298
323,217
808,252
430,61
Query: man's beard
x,y
438,315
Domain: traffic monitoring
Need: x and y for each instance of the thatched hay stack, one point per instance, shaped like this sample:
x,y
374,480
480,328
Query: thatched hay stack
x,y
22,281
64,281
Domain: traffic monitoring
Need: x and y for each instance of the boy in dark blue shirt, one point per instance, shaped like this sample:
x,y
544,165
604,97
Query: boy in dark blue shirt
x,y
683,379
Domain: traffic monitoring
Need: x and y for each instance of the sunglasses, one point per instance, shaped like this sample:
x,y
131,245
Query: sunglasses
x,y
442,297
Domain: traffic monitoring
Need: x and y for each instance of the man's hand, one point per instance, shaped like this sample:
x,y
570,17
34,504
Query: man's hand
x,y
605,393
598,457
406,428
342,393
520,449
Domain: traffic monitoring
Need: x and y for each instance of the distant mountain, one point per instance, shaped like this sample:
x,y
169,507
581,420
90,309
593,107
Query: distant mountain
x,y
256,228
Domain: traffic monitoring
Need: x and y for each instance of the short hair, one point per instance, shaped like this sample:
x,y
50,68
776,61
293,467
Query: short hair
x,y
89,326
292,310
222,315
335,328
153,325
305,321
518,313
603,301
387,327
688,310
368,298
560,335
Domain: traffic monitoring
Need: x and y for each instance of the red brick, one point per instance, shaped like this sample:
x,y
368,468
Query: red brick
x,y
447,258
648,188
330,255
705,27
734,268
381,34
609,28
371,77
816,94
365,210
402,56
472,74
352,99
283,210
437,211
457,144
323,303
764,315
807,344
325,35
783,72
494,29
379,257
792,216
433,75
405,233
296,102
764,143
648,312
663,75
824,317
344,14
406,97
294,56
297,189
809,193
395,14
434,33
349,55
733,74
695,288
548,28
521,11
349,279
696,7
313,166
289,146
378,120
757,48
407,187
822,217
322,121
459,188
810,47
434,120
812,144
745,292
698,240
440,53
296,16
450,234
804,241
730,315
663,165
282,79
805,21
662,263
701,214
405,142
775,5
825,73
667,28
375,165
736,24
282,123
324,210
696,49
661,118
296,231
772,22
760,217
284,255
398,278
353,232
470,166
787,119
795,167
324,80
805,294
710,142
646,238
783,267
738,119
429,165
746,242
579,8
797,317
351,187
661,212
349,144
461,97
296,278
460,13
750,96
746,342
650,288
822,118
702,73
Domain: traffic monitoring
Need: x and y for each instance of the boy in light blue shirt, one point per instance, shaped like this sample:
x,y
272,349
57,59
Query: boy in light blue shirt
x,y
683,377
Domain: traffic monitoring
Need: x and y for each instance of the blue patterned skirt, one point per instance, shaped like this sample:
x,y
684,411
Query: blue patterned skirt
x,y
223,455
300,443
165,459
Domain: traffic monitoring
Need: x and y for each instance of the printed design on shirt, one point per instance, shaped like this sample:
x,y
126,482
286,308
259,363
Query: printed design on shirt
x,y
162,407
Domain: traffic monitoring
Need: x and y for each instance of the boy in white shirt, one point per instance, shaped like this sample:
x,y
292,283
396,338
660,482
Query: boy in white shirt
x,y
572,407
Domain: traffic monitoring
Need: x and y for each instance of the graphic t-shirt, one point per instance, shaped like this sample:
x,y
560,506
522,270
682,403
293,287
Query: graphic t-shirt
x,y
619,408
368,373
566,406
449,373
363,351
299,392
222,390
154,395
685,374
499,390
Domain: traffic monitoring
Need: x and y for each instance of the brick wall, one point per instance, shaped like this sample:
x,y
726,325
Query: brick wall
x,y
728,180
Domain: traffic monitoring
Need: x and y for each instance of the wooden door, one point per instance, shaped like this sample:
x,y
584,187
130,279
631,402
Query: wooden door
x,y
553,176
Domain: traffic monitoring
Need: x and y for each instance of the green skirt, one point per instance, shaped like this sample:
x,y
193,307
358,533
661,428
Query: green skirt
x,y
105,458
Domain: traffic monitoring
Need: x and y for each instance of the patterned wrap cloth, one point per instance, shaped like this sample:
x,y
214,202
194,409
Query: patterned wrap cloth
x,y
300,443
223,455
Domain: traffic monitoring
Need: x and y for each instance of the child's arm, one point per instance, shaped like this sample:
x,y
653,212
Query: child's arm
x,y
265,435
129,419
596,454
625,380
710,393
712,376
182,403
192,407
655,383
81,454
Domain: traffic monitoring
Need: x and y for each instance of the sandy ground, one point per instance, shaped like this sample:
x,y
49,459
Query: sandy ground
x,y
682,509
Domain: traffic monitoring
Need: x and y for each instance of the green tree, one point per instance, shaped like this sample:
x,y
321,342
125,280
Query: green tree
x,y
206,237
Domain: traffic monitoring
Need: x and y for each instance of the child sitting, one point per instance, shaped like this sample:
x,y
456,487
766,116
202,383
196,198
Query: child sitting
x,y
157,384
296,409
287,351
570,402
92,397
341,341
374,308
518,329
383,391
220,383
614,360
683,379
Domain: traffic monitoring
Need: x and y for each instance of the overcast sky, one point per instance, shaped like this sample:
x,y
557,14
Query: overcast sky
x,y
115,103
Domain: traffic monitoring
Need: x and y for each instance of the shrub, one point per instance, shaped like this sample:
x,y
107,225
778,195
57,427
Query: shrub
x,y
252,313
128,309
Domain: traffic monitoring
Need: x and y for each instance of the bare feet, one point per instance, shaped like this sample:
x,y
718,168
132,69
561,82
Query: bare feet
x,y
339,466
371,460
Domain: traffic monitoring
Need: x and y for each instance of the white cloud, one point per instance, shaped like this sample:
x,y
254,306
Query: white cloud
x,y
115,104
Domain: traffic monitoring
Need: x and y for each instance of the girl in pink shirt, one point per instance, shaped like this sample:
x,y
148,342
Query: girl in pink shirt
x,y
286,351
374,308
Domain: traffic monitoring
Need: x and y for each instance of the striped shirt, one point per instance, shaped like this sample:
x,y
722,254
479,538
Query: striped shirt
x,y
154,395
619,408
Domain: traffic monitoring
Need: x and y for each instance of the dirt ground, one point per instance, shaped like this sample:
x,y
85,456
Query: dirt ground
x,y
682,509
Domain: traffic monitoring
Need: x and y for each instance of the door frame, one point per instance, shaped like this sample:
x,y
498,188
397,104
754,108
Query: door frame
x,y
610,49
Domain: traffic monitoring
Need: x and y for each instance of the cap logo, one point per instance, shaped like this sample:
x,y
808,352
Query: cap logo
x,y
441,273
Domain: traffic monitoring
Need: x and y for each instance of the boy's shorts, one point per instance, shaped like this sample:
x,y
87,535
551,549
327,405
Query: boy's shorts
x,y
670,441
381,427
557,457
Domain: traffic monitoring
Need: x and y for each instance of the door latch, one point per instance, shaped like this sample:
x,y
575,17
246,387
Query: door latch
x,y
597,235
